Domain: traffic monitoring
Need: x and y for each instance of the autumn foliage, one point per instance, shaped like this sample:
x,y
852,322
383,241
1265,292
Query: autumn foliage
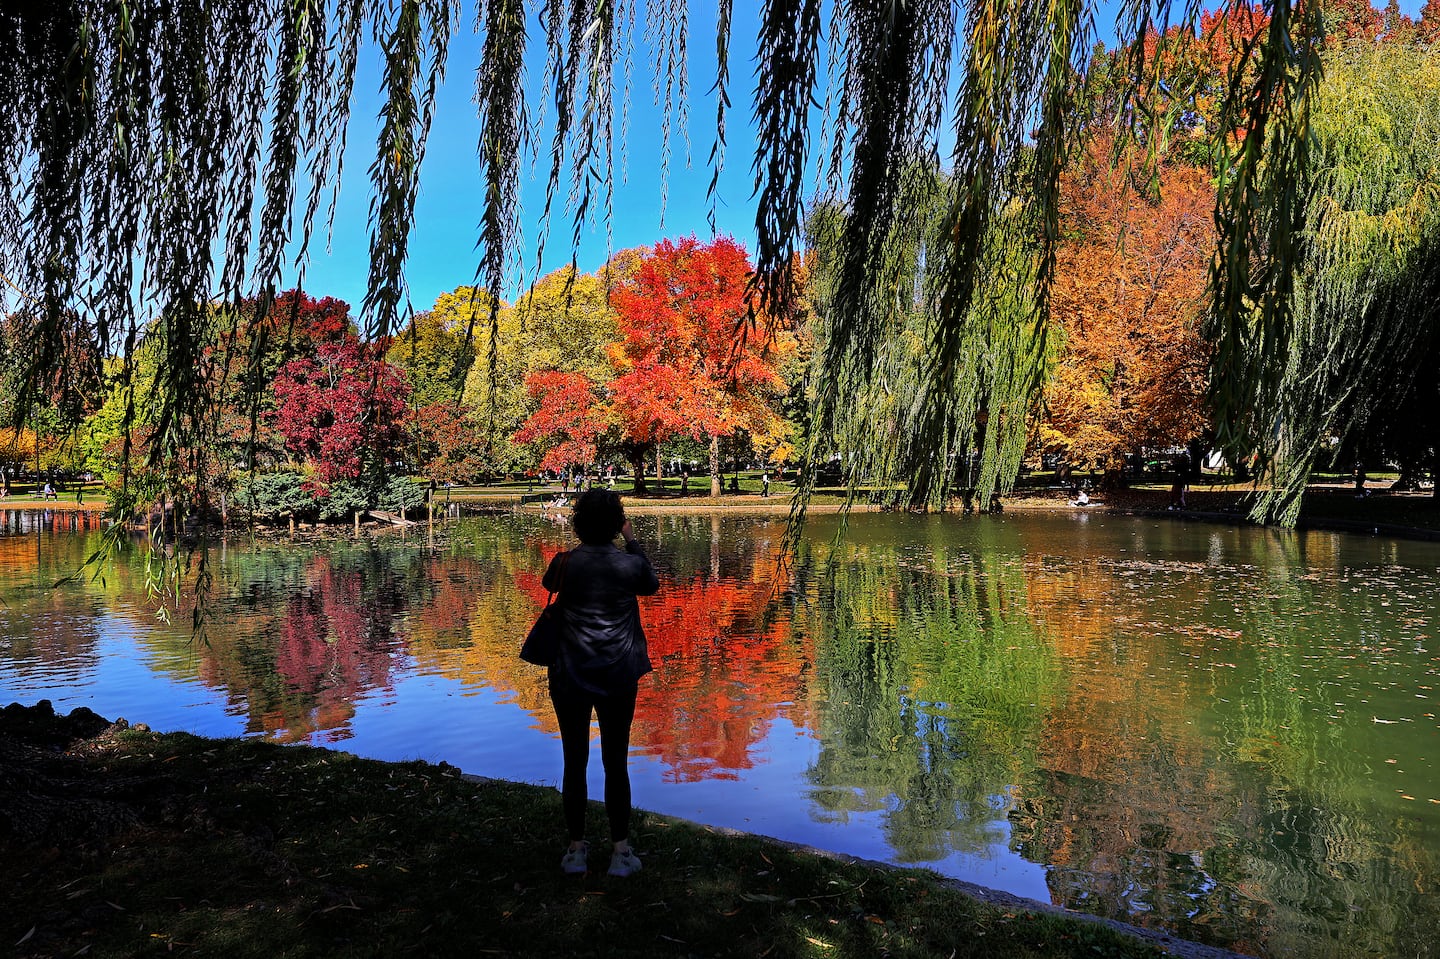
x,y
687,362
1128,295
340,409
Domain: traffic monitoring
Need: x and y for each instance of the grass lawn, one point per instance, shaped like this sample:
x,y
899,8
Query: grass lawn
x,y
129,843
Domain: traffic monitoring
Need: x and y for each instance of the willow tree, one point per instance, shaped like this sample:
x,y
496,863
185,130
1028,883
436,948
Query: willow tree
x,y
892,415
1362,317
159,157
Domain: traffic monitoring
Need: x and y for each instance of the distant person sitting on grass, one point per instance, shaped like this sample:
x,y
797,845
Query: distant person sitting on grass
x,y
1082,498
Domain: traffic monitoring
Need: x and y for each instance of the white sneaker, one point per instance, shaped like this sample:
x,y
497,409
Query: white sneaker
x,y
573,863
624,863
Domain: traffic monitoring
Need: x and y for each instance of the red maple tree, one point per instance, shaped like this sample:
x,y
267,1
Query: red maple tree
x,y
689,362
569,418
451,445
340,409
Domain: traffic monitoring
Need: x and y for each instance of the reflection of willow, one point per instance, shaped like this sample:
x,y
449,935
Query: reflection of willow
x,y
1346,868
934,688
1264,838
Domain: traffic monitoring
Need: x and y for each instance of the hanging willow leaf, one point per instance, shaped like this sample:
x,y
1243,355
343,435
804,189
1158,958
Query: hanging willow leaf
x,y
785,81
415,40
721,90
1340,307
499,94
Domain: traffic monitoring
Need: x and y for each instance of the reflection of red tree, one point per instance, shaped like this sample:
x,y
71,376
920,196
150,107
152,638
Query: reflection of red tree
x,y
336,642
720,670
722,674
527,580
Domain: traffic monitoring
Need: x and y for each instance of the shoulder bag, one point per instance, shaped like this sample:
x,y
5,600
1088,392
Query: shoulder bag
x,y
542,644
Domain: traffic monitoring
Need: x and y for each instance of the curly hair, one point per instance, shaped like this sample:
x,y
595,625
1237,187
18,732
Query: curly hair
x,y
598,516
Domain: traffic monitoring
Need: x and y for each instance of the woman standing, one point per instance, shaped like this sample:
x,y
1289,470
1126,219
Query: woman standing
x,y
602,656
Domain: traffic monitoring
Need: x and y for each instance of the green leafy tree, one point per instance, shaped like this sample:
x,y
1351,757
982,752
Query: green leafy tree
x,y
436,348
563,323
891,409
1361,319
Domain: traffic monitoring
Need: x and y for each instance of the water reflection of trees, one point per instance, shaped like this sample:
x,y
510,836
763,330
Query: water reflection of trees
x,y
298,638
933,688
48,633
1180,722
1206,768
294,637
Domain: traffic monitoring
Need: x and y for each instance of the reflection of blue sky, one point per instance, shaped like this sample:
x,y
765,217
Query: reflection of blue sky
x,y
125,682
770,800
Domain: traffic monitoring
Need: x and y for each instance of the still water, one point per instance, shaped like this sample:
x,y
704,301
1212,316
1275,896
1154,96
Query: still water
x,y
1227,732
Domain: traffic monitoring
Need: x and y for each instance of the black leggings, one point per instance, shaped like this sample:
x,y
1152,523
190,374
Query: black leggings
x,y
615,712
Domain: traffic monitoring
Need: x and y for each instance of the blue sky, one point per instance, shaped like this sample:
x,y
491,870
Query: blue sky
x,y
442,246
443,253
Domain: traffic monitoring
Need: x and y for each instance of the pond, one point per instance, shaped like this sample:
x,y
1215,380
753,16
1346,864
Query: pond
x,y
1227,732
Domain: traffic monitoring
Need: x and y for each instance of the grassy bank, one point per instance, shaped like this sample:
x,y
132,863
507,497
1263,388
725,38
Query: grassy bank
x,y
122,842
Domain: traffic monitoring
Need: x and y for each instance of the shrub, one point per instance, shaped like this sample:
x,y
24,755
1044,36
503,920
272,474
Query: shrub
x,y
275,494
403,493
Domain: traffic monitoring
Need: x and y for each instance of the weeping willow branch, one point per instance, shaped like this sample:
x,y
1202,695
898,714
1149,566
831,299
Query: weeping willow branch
x,y
1338,308
158,157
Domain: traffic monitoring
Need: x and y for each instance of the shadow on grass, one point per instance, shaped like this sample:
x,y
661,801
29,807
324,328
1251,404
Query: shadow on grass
x,y
129,843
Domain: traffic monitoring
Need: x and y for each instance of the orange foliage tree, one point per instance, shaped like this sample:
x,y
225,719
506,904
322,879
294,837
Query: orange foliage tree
x,y
688,363
1129,289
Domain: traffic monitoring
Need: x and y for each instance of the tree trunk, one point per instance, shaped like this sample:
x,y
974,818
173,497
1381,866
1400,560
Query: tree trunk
x,y
659,465
637,465
715,481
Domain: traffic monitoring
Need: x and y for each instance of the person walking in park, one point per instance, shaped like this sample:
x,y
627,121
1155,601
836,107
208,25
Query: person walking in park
x,y
601,658
765,483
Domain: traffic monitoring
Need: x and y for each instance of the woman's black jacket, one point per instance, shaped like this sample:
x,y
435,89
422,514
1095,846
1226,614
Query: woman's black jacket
x,y
603,647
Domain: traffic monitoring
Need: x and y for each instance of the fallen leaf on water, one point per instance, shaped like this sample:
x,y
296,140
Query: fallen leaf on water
x,y
817,942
